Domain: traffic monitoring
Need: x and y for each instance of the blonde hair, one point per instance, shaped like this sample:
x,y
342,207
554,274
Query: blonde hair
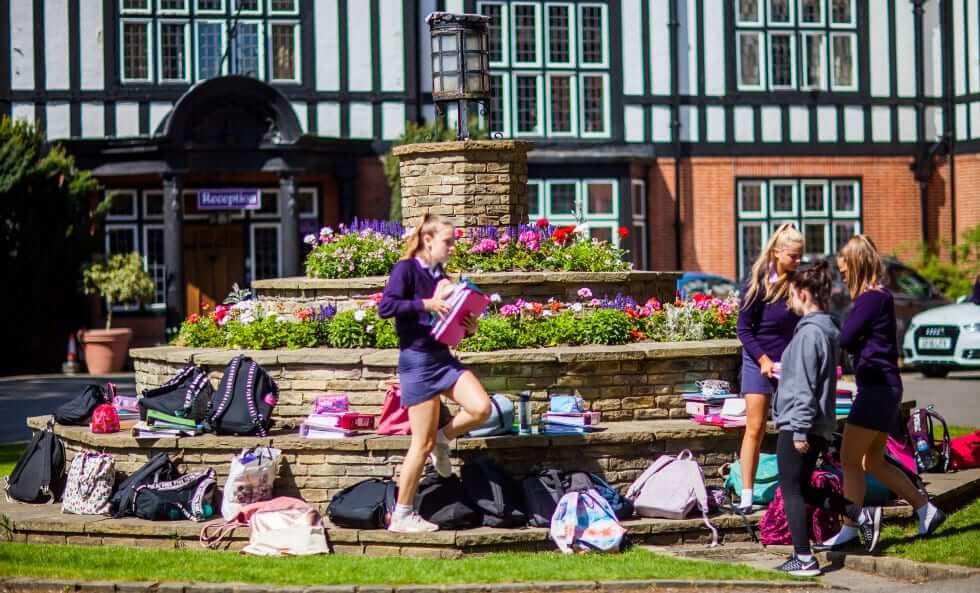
x,y
780,240
429,226
864,268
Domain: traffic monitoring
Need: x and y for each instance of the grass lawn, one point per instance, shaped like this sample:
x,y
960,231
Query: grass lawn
x,y
956,542
9,454
100,563
954,431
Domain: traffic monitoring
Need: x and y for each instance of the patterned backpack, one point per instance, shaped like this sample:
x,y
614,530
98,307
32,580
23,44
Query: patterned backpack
x,y
584,522
90,480
105,419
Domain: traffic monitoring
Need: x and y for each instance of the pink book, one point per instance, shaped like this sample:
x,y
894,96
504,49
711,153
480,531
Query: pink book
x,y
465,299
719,420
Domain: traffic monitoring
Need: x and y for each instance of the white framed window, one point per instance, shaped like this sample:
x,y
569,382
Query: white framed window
x,y
528,99
601,198
595,105
750,64
782,198
561,104
134,6
246,7
811,13
780,13
498,40
172,6
814,194
593,35
638,243
124,205
782,61
814,71
602,231
269,205
752,237
843,61
560,31
265,251
248,50
638,199
499,117
153,263
153,204
210,48
752,199
136,37
845,198
748,12
173,51
842,13
526,26
121,239
283,6
843,231
816,237
209,6
309,203
534,196
284,49
562,199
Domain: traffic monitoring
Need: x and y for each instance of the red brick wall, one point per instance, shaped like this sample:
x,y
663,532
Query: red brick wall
x,y
660,213
967,192
372,189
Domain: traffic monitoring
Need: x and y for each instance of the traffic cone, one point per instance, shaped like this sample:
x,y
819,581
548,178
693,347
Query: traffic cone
x,y
71,366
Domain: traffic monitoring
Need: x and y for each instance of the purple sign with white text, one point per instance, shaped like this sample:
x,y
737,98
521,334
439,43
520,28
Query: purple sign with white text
x,y
228,199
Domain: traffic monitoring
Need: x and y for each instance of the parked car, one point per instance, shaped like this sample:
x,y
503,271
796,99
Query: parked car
x,y
944,339
691,283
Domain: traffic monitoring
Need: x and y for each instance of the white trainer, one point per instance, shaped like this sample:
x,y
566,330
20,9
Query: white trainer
x,y
411,523
440,459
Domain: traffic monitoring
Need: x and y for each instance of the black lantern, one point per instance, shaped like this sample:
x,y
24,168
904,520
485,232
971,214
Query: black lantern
x,y
460,62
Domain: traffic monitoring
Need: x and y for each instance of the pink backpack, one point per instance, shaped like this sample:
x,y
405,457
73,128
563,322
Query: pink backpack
x,y
774,527
965,451
394,418
105,419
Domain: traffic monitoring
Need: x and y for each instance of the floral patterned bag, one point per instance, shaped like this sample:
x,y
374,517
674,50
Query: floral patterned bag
x,y
90,480
584,522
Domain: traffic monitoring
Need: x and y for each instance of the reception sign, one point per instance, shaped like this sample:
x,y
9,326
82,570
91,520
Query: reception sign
x,y
228,199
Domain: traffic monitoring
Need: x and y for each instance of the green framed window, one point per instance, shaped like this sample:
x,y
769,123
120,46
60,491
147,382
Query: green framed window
x,y
590,203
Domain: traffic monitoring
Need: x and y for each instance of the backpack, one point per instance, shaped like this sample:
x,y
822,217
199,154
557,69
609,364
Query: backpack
x,y
281,526
186,395
105,419
38,475
190,496
929,455
501,420
495,493
244,401
91,477
824,524
670,488
158,469
78,411
542,490
443,502
365,505
584,522
623,507
766,479
965,451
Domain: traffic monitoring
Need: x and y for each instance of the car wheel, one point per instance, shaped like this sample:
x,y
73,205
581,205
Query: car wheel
x,y
935,372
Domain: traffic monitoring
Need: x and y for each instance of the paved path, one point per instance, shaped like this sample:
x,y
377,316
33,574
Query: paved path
x,y
957,397
22,397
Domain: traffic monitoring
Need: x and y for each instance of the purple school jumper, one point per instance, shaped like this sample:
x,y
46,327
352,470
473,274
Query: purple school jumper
x,y
763,328
426,367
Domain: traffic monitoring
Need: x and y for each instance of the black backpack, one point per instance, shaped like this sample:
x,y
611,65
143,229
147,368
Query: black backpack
x,y
39,473
443,502
244,401
186,395
581,481
158,469
365,505
496,494
542,491
79,410
188,497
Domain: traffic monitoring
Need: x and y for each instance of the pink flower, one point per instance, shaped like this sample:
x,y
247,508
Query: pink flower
x,y
510,310
595,303
485,246
654,304
221,314
585,293
376,297
504,239
458,233
527,237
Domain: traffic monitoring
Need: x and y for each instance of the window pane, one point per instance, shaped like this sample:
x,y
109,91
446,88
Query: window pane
x,y
563,198
843,60
153,203
135,57
209,4
173,4
270,203
602,233
813,54
592,34
172,51
120,240
751,198
751,246
813,198
496,41
558,34
209,50
600,196
782,199
247,50
638,198
527,104
843,231
779,11
638,240
841,11
811,11
748,10
283,5
561,104
135,4
247,5
781,54
748,55
815,236
266,249
593,104
283,52
123,204
533,201
496,118
154,264
844,198
525,26
307,203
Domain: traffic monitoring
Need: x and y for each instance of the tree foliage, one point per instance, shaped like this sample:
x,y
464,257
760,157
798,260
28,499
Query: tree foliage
x,y
955,273
121,280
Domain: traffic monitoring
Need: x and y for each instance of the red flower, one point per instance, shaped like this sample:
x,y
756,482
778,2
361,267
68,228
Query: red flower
x,y
637,334
554,306
699,297
537,308
562,234
194,318
623,232
376,298
542,223
632,313
220,312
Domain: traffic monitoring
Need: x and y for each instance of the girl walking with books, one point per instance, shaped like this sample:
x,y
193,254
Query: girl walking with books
x,y
869,335
416,290
765,326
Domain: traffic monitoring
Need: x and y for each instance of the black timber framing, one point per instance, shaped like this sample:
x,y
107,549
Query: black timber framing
x,y
5,72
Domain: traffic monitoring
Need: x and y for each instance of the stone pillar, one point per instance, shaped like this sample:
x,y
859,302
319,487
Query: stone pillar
x,y
289,213
472,182
173,250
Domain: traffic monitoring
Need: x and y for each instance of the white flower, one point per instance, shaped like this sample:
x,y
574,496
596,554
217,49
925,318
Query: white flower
x,y
495,298
546,313
579,228
359,315
369,328
577,307
326,231
309,239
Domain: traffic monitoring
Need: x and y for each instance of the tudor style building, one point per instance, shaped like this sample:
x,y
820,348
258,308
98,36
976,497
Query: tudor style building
x,y
699,124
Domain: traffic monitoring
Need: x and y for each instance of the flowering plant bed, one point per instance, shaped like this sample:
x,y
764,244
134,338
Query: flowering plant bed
x,y
255,325
371,248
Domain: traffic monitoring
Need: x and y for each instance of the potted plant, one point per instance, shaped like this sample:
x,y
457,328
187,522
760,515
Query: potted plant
x,y
119,281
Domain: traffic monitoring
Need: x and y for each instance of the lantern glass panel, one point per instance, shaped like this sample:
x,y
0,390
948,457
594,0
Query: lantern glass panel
x,y
473,83
448,42
474,62
473,41
437,84
450,83
449,63
435,66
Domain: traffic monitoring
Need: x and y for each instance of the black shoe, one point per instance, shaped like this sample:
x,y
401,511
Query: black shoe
x,y
835,547
799,568
938,519
871,527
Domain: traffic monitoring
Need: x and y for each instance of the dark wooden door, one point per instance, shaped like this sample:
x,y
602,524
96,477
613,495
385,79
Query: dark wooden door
x,y
214,260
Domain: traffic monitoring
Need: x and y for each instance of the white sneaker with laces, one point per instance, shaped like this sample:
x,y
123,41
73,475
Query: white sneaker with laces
x,y
440,459
411,523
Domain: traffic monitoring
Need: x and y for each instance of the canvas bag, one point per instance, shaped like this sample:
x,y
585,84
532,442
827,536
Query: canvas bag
x,y
501,420
670,488
158,469
244,401
774,526
37,477
281,526
251,477
365,505
186,395
91,477
584,522
766,479
78,411
188,497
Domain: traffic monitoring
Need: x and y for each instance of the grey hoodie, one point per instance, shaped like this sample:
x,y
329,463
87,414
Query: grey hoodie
x,y
806,398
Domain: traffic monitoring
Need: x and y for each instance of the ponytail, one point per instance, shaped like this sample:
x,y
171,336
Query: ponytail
x,y
429,226
818,280
864,268
759,281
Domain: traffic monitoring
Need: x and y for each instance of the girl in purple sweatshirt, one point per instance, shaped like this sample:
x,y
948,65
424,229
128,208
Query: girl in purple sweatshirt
x,y
869,336
416,289
765,326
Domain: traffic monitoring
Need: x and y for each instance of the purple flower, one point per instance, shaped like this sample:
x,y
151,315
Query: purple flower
x,y
326,312
585,293
510,310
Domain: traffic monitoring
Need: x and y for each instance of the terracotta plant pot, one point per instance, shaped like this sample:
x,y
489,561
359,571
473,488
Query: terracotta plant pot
x,y
106,349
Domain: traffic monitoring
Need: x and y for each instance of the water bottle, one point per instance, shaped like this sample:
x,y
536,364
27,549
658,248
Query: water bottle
x,y
923,453
524,413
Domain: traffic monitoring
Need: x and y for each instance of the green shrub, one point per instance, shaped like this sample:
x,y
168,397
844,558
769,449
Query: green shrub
x,y
353,255
307,334
605,326
384,334
266,333
494,333
204,333
954,274
347,331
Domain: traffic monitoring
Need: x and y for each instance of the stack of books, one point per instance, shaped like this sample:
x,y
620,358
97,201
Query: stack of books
x,y
845,399
158,425
730,414
570,422
338,424
126,407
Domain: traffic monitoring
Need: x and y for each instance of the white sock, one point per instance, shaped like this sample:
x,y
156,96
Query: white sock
x,y
441,437
805,557
746,498
401,511
846,534
926,512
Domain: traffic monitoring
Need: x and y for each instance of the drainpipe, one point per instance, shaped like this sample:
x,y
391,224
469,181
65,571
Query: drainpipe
x,y
949,117
923,170
675,125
